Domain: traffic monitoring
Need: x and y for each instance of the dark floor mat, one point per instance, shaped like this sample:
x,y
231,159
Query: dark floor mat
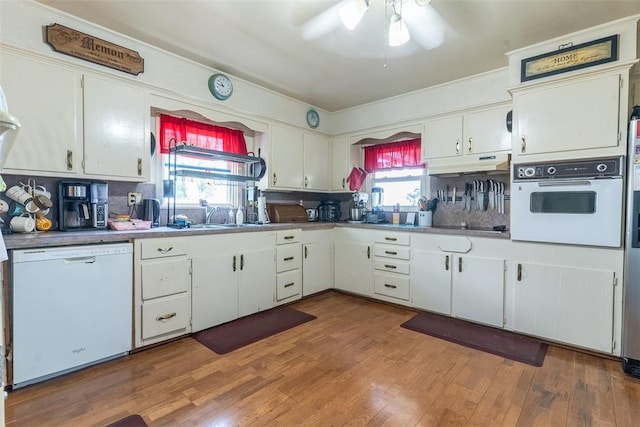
x,y
495,341
130,421
239,333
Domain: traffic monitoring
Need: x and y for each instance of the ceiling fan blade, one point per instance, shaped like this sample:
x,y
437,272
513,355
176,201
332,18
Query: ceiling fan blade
x,y
426,26
323,23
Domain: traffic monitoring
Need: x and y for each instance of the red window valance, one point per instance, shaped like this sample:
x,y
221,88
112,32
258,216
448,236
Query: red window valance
x,y
401,154
201,135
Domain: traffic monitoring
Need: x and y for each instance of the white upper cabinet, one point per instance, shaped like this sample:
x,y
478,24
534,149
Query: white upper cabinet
x,y
47,101
316,162
570,115
53,106
340,163
296,160
475,132
116,127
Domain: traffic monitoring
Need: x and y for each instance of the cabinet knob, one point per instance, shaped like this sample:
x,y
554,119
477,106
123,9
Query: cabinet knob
x,y
523,144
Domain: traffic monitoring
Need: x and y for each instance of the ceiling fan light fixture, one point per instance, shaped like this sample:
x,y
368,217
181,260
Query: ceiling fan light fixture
x,y
351,13
398,31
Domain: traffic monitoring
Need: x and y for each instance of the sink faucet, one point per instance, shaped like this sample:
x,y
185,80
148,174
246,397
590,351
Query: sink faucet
x,y
210,211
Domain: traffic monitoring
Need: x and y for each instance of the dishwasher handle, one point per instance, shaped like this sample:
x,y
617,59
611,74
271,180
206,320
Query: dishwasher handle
x,y
80,260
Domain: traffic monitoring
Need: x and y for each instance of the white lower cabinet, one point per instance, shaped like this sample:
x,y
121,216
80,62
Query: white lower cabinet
x,y
477,289
162,290
392,253
431,281
353,255
317,265
571,305
237,281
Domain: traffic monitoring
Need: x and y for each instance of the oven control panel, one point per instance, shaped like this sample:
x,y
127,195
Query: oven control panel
x,y
590,168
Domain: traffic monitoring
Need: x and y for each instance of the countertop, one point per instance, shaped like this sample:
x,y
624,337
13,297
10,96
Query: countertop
x,y
40,239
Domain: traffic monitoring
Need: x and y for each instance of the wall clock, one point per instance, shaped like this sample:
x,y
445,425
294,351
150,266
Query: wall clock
x,y
313,119
220,86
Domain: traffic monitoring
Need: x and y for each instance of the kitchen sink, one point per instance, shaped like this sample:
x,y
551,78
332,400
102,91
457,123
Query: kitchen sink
x,y
197,226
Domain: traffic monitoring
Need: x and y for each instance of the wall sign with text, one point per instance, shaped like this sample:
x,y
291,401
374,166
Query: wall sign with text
x,y
74,43
570,58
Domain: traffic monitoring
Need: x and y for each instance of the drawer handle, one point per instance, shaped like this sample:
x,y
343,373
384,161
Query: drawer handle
x,y
446,263
165,317
289,258
288,285
386,285
288,237
390,266
391,239
165,250
391,253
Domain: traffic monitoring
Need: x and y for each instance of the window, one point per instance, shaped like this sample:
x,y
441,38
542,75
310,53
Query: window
x,y
397,168
192,191
400,186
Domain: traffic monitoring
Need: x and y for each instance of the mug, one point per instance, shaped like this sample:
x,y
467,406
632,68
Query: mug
x,y
16,209
22,224
18,194
40,190
43,223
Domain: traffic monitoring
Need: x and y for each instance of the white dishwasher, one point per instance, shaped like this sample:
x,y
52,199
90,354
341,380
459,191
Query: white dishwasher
x,y
70,307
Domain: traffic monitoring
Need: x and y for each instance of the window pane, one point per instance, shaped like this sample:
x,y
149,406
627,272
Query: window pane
x,y
405,193
192,190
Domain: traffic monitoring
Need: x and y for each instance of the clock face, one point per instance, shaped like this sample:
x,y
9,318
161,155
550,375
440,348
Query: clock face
x,y
220,86
313,119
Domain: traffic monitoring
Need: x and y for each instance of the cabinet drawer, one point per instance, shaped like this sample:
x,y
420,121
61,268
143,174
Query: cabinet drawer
x,y
393,238
166,315
161,248
389,251
166,277
288,284
288,236
392,285
391,265
288,257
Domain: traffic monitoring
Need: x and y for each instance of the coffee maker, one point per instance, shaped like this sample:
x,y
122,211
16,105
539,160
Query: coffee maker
x,y
82,205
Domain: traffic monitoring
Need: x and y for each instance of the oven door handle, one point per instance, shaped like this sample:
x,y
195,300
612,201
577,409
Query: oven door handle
x,y
563,183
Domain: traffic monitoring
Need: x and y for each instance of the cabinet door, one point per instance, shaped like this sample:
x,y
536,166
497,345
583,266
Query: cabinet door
x,y
486,131
442,138
576,115
257,281
287,151
477,289
316,267
431,281
316,162
340,163
115,129
354,267
48,140
214,291
572,305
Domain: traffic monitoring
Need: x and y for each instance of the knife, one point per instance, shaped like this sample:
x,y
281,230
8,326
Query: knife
x,y
491,194
446,196
454,195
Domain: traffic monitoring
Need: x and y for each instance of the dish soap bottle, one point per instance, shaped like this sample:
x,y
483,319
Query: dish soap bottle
x,y
239,216
232,217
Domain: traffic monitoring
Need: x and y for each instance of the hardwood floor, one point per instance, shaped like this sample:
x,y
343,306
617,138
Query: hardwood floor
x,y
353,365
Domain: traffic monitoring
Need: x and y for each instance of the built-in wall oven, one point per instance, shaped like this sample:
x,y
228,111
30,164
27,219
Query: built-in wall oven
x,y
573,202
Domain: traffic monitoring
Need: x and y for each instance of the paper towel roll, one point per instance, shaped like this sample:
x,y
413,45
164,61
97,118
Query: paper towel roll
x,y
263,216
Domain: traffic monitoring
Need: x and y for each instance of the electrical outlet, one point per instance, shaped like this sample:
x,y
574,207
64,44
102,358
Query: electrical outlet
x,y
134,199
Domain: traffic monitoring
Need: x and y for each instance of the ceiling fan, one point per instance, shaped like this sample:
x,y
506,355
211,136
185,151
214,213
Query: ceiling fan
x,y
398,21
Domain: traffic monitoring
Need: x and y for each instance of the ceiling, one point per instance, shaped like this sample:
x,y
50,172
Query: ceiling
x,y
300,49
